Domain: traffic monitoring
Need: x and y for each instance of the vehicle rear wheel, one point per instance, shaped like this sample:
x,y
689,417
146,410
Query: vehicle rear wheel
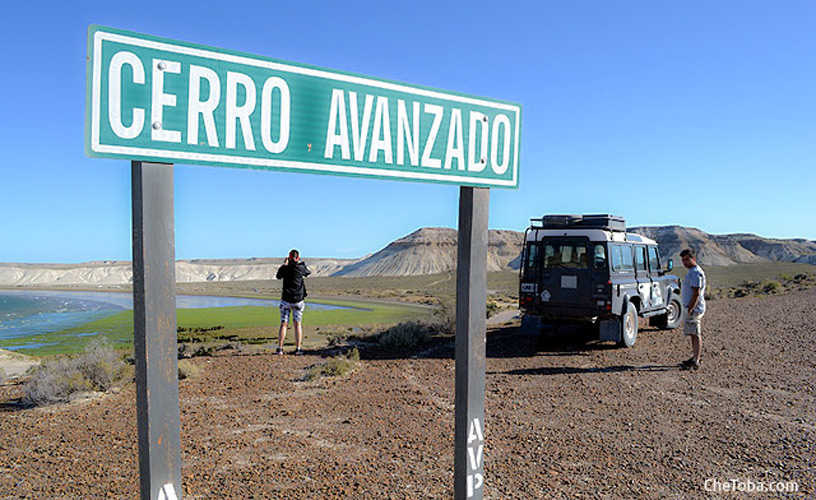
x,y
629,326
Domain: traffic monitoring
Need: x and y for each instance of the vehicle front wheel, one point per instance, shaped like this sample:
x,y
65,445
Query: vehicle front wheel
x,y
673,316
629,326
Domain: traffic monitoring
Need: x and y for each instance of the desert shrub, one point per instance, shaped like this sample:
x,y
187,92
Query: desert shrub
x,y
99,368
771,287
444,317
188,369
492,308
335,367
407,334
188,351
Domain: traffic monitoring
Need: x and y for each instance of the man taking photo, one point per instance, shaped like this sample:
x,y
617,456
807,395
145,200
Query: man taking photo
x,y
293,293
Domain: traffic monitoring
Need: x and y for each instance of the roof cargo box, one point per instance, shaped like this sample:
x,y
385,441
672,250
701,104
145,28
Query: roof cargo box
x,y
593,221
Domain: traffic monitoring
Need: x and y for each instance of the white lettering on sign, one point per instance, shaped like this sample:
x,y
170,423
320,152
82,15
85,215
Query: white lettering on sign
x,y
427,161
454,150
359,133
233,113
196,107
477,161
167,492
160,100
502,121
271,85
337,116
115,95
240,113
406,130
381,136
374,143
475,451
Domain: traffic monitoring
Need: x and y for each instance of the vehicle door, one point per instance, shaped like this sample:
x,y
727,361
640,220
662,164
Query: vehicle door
x,y
660,286
565,278
644,280
623,274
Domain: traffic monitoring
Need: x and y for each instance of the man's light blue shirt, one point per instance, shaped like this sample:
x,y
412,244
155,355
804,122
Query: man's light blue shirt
x,y
695,278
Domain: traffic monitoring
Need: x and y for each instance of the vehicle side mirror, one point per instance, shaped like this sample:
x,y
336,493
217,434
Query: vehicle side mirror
x,y
669,265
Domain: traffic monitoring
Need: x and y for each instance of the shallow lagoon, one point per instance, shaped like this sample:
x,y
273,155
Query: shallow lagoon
x,y
31,312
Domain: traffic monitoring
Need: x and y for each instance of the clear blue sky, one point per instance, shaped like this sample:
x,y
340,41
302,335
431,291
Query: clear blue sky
x,y
697,113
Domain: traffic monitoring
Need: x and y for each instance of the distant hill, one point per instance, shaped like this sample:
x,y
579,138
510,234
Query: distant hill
x,y
728,249
425,251
433,250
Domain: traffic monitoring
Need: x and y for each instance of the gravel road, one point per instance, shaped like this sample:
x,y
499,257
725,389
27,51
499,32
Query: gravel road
x,y
564,419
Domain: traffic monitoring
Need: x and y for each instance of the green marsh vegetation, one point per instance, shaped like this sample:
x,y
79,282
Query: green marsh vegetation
x,y
245,324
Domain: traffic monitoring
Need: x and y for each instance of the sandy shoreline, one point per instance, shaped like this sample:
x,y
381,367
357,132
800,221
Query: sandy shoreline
x,y
14,365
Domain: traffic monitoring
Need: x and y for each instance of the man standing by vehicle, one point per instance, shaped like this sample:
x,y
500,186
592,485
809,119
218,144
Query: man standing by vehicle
x,y
693,298
293,292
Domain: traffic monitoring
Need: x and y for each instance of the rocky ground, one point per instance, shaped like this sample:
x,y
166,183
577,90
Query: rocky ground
x,y
564,419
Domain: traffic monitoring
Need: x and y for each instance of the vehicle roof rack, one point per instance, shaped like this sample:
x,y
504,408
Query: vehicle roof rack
x,y
573,221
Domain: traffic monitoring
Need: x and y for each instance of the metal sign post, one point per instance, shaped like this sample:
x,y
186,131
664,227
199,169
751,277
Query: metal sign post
x,y
154,322
471,318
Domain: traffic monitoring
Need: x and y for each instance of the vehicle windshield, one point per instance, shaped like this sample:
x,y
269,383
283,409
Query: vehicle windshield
x,y
564,254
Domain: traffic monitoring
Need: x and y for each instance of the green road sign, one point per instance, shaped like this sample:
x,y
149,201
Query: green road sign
x,y
154,99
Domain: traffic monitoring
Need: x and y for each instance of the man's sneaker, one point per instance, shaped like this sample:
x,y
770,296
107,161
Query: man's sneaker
x,y
279,352
299,352
690,364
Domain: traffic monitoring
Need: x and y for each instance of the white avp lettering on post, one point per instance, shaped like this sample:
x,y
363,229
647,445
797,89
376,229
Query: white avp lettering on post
x,y
160,100
115,94
167,492
475,450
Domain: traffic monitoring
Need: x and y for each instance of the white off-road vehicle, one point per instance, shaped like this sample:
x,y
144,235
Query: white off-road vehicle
x,y
588,269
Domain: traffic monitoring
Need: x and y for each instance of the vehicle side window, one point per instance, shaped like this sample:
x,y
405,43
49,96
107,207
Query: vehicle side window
x,y
654,260
599,259
617,258
622,258
626,251
532,254
640,258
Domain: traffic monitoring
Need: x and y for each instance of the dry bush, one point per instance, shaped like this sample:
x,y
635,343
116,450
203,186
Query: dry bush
x,y
188,369
99,368
336,366
406,334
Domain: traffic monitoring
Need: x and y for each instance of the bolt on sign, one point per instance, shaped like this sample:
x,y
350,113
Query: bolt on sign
x,y
154,99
